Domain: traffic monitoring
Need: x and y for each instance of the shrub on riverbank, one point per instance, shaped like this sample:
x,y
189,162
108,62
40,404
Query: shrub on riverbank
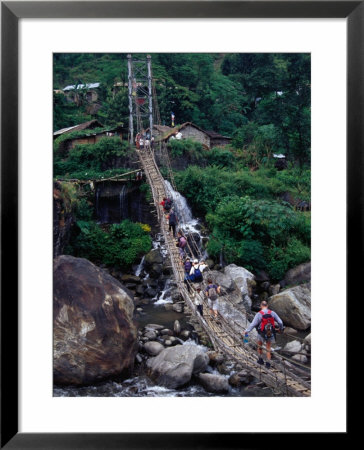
x,y
259,234
118,245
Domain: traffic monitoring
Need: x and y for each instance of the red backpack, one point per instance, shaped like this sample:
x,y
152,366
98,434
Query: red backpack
x,y
267,323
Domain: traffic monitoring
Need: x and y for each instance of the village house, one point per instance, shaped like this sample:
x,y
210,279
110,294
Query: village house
x,y
189,130
89,136
72,92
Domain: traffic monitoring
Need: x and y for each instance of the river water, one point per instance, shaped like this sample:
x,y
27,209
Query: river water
x,y
139,385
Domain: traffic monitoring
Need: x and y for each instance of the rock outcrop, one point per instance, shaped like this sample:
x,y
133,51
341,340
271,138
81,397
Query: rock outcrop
x,y
62,218
299,274
94,334
244,280
214,383
174,366
294,306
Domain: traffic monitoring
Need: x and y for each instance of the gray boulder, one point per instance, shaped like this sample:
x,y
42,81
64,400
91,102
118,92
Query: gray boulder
x,y
294,306
274,289
174,366
225,281
299,274
153,348
293,347
150,334
94,335
244,280
153,257
214,383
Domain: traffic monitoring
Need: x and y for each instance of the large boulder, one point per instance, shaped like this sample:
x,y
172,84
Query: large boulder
x,y
174,366
214,383
94,336
153,348
153,257
225,281
299,274
244,280
294,306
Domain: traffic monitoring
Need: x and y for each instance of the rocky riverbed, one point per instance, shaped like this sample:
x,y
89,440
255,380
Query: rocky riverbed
x,y
131,334
171,357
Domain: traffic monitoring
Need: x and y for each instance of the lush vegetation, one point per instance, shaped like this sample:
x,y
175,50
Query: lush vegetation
x,y
206,187
120,245
250,223
117,245
262,101
259,234
91,161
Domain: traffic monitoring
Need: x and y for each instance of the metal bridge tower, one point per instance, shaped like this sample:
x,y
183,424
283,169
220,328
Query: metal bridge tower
x,y
140,95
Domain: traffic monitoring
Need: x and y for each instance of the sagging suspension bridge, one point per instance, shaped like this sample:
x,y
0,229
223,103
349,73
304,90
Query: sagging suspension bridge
x,y
226,334
284,377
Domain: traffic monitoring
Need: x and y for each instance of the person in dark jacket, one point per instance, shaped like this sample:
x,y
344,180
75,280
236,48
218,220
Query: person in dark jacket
x,y
172,221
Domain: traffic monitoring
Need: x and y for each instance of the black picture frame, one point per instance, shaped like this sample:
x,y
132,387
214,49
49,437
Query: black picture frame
x,y
11,12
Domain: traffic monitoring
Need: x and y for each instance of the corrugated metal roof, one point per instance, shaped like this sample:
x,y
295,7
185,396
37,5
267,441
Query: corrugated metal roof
x,y
83,126
82,86
64,130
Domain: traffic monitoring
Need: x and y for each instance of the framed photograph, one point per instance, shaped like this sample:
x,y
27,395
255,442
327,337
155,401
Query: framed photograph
x,y
83,76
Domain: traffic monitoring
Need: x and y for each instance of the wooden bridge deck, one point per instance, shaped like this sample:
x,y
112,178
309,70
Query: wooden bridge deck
x,y
283,377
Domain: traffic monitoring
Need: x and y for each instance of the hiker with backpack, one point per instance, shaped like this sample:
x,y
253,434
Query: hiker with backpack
x,y
211,291
167,204
265,326
196,272
197,299
172,222
187,265
181,244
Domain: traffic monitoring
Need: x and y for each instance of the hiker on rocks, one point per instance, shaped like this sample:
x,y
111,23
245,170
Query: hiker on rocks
x,y
198,300
172,222
196,272
181,244
211,291
264,324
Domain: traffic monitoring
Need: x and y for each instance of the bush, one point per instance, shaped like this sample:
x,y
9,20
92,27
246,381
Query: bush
x,y
188,148
91,160
220,156
282,259
259,234
119,246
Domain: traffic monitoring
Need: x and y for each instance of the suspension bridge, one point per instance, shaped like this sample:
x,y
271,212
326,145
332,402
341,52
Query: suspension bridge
x,y
284,377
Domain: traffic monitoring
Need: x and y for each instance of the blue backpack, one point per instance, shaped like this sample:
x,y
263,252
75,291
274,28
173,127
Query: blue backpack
x,y
198,273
